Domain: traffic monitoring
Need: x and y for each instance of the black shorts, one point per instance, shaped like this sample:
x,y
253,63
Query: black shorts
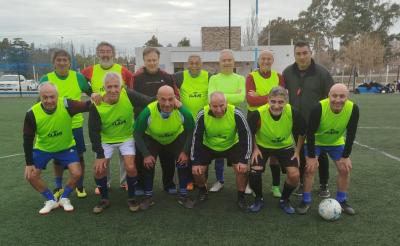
x,y
283,155
232,155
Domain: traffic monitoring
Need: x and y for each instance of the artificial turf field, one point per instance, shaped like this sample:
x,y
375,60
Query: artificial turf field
x,y
373,193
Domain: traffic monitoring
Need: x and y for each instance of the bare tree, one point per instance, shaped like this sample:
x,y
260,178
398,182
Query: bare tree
x,y
83,50
252,27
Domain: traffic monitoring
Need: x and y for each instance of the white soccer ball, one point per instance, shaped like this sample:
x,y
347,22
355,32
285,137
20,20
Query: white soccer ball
x,y
330,209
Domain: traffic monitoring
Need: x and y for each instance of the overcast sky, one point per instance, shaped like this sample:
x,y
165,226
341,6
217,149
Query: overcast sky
x,y
130,23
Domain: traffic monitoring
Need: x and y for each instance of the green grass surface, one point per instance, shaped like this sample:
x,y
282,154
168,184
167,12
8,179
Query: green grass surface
x,y
373,192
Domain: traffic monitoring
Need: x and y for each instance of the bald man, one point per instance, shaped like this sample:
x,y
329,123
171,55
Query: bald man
x,y
258,85
328,122
160,129
51,121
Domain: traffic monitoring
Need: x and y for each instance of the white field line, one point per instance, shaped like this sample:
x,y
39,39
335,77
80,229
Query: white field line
x,y
379,151
8,156
375,127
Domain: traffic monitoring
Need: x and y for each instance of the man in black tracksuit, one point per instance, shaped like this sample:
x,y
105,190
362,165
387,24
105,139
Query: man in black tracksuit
x,y
148,82
308,83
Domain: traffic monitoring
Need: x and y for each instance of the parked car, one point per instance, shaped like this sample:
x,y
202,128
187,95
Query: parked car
x,y
11,82
32,85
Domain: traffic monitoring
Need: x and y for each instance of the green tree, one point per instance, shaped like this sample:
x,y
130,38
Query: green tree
x,y
184,42
280,31
153,42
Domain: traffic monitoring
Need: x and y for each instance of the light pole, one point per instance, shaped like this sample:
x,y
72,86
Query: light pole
x,y
61,42
94,55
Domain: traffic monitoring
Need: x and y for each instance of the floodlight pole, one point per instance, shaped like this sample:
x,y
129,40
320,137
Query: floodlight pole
x,y
256,37
229,45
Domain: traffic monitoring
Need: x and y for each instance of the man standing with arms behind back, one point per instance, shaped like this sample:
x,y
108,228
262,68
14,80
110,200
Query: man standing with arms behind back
x,y
308,83
95,74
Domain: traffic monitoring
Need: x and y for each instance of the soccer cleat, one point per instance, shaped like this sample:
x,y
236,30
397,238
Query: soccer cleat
x,y
81,192
48,206
190,186
276,192
241,202
124,186
201,197
172,191
146,203
248,190
299,191
346,208
324,191
303,207
66,204
186,201
285,205
104,203
217,186
139,192
133,205
258,203
58,192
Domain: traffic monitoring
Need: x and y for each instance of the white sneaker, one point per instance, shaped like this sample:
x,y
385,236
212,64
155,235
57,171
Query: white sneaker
x,y
66,204
248,191
216,187
48,206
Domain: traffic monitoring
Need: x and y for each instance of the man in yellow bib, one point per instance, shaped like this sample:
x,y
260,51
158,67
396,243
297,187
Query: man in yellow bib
x,y
221,132
70,84
234,87
258,85
110,127
193,86
273,125
106,54
328,122
160,128
51,121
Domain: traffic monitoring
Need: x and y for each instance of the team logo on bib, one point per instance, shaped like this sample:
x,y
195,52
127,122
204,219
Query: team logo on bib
x,y
194,95
166,135
331,132
219,136
119,122
54,134
278,140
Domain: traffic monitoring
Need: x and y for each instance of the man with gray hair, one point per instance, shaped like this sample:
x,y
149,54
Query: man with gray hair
x,y
233,86
95,74
193,86
110,127
221,132
50,120
70,84
272,126
258,85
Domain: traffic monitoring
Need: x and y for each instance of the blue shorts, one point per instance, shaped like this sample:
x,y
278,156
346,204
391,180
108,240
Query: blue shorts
x,y
335,152
64,157
79,140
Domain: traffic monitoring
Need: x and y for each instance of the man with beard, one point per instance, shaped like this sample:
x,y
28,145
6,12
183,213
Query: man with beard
x,y
95,74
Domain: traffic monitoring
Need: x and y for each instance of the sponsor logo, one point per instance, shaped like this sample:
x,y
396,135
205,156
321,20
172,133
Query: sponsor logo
x,y
54,134
278,140
194,95
219,136
102,89
118,122
166,135
331,132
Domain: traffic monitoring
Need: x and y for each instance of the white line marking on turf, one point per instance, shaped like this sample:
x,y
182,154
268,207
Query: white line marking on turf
x,y
1,157
379,151
375,127
7,156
